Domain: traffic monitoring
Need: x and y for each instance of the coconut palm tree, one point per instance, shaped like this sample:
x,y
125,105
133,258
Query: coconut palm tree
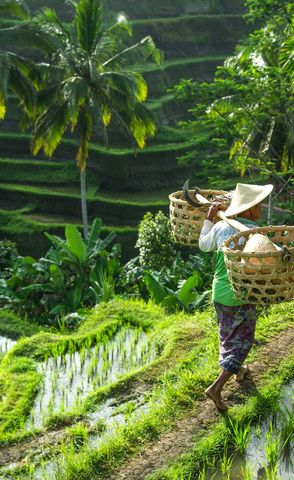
x,y
91,77
14,68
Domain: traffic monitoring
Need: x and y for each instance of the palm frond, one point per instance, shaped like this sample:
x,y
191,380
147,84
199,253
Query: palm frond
x,y
24,89
121,26
142,124
76,90
15,8
105,48
49,24
50,127
4,78
2,108
29,35
47,96
125,88
106,115
88,21
136,54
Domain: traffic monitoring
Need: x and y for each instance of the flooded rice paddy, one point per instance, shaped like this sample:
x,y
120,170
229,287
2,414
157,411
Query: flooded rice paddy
x,y
269,453
5,345
109,416
68,379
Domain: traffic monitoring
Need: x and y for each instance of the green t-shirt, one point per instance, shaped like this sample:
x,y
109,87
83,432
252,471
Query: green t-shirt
x,y
222,291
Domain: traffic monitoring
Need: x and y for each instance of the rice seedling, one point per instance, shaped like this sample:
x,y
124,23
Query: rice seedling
x,y
201,475
287,426
240,434
273,452
226,463
273,446
247,472
79,435
75,378
100,426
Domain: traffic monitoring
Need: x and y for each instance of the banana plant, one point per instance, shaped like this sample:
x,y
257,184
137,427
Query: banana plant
x,y
74,272
185,297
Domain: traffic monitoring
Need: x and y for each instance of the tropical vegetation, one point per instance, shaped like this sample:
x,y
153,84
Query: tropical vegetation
x,y
245,114
104,360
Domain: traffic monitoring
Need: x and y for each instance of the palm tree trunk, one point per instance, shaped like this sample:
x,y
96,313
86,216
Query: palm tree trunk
x,y
84,202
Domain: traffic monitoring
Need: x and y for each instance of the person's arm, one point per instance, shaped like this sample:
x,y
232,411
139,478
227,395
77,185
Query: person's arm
x,y
207,240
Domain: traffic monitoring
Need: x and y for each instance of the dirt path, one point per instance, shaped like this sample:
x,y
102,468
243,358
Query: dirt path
x,y
180,439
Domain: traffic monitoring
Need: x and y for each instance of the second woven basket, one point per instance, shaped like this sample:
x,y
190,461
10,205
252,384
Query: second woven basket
x,y
262,278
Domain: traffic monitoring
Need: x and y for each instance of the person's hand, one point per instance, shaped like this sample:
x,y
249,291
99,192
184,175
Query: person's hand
x,y
213,211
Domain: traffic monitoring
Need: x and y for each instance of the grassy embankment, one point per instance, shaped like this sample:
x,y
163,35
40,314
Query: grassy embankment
x,y
18,373
172,394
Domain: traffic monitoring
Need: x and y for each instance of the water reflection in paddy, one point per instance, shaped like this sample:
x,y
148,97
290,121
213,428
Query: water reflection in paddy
x,y
270,451
68,379
5,345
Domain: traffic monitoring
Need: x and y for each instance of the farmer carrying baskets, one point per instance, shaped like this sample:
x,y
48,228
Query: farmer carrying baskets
x,y
236,319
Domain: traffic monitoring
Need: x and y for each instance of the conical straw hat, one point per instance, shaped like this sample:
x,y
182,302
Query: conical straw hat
x,y
247,196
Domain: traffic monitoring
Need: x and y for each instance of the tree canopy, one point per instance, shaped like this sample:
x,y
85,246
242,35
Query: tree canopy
x,y
246,113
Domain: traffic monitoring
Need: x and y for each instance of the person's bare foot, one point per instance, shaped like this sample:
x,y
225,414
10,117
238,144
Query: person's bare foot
x,y
239,377
216,398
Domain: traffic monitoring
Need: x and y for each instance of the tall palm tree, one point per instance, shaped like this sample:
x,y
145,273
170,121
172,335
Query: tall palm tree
x,y
91,76
14,68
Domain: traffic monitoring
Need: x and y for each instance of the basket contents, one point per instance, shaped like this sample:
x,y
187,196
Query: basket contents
x,y
258,243
186,220
259,270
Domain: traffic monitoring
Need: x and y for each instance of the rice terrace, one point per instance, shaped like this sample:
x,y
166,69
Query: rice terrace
x,y
146,240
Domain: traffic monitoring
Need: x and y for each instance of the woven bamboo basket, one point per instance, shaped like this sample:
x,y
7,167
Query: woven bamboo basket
x,y
262,278
186,220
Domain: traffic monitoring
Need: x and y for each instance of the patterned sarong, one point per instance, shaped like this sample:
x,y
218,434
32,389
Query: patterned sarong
x,y
236,332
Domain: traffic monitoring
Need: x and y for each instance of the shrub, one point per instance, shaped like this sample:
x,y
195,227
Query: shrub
x,y
8,253
155,241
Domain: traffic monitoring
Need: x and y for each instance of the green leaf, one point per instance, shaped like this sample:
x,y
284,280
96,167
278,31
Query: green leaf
x,y
88,21
186,294
56,310
74,296
94,233
157,291
170,303
28,260
57,277
75,243
16,8
201,299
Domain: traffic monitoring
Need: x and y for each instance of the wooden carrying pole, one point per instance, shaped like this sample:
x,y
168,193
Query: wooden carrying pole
x,y
233,223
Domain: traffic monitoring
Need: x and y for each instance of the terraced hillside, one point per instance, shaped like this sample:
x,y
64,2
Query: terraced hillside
x,y
42,194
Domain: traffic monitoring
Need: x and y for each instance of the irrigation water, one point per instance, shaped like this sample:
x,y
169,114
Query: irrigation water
x,y
68,379
5,345
129,348
109,415
270,450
